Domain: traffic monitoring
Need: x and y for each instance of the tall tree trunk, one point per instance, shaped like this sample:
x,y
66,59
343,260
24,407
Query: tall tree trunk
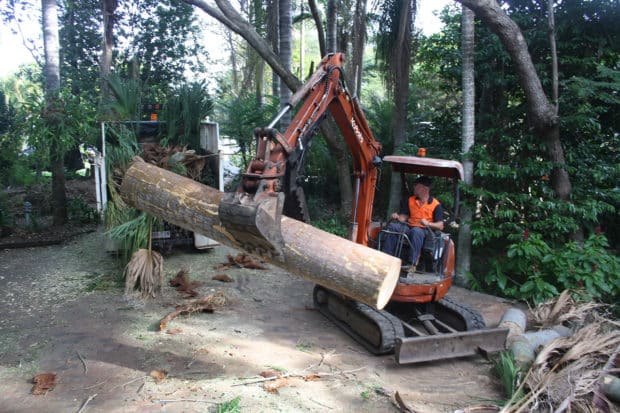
x,y
358,40
273,36
400,65
463,261
53,110
108,7
554,55
316,16
331,35
286,54
541,112
233,61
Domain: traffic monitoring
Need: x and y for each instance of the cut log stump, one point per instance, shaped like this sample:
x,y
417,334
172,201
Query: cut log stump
x,y
356,271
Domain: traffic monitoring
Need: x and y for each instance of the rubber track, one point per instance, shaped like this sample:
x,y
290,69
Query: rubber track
x,y
388,325
472,318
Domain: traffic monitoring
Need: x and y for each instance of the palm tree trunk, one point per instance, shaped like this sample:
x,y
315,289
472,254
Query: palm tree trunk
x,y
400,65
463,261
53,108
286,53
108,8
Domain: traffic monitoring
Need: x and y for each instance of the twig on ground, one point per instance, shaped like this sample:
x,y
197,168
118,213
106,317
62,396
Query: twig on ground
x,y
165,401
83,362
321,404
286,375
95,385
129,382
86,402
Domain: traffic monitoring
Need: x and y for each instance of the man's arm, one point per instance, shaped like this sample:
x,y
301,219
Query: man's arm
x,y
403,214
437,223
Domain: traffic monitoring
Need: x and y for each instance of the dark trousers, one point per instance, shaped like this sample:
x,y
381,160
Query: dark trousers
x,y
416,237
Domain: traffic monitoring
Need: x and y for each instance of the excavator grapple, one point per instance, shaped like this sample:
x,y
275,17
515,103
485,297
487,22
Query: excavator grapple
x,y
255,226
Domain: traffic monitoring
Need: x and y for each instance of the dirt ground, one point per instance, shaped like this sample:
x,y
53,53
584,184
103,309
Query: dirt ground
x,y
61,313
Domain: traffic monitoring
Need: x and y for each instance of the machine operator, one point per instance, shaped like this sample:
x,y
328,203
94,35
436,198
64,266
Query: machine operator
x,y
417,212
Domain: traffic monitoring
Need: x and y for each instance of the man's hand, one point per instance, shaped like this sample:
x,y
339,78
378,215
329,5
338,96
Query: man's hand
x,y
395,216
425,222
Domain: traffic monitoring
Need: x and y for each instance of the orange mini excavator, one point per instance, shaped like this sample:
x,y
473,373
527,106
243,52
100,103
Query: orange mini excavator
x,y
421,323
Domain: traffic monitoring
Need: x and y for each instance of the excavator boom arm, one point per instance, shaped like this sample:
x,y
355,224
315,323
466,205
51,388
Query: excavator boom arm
x,y
253,212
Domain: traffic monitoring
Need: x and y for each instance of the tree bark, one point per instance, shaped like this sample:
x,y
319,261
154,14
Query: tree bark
x,y
286,54
319,26
463,258
332,26
53,110
108,7
554,56
541,111
358,40
359,272
400,65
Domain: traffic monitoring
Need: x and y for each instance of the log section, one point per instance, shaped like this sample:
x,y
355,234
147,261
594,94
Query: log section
x,y
361,273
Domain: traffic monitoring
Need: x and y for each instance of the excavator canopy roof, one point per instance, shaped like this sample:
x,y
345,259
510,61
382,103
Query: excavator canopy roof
x,y
426,166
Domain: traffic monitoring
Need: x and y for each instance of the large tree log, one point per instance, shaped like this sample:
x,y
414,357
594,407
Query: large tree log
x,y
364,274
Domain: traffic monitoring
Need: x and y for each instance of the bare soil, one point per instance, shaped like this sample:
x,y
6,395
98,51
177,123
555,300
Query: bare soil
x,y
63,312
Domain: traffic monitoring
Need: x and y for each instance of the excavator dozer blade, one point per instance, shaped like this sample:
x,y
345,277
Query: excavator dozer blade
x,y
254,225
450,345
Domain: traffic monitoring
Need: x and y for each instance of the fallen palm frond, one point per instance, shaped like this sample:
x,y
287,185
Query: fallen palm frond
x,y
183,285
206,304
145,269
565,310
567,372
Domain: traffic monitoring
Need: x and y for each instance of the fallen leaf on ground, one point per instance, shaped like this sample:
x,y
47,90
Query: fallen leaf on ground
x,y
158,375
206,304
270,373
312,377
174,331
273,386
223,278
43,383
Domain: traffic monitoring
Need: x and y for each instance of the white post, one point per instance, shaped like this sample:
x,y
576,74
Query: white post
x,y
104,177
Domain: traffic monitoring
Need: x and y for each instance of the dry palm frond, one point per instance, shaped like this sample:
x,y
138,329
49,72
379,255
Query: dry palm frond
x,y
564,310
206,304
567,372
145,268
183,285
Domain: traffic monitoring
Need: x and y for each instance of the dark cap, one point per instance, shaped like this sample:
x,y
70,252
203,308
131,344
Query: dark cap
x,y
424,180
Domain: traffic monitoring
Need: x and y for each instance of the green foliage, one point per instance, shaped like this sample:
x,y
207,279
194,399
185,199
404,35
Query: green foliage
x,y
10,142
506,369
6,218
163,42
183,111
127,94
533,270
238,118
78,210
133,234
231,406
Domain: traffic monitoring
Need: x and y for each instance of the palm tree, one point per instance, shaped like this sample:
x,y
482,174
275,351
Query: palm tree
x,y
285,51
53,110
463,263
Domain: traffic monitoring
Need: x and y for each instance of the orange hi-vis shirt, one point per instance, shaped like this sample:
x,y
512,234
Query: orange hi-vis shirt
x,y
418,211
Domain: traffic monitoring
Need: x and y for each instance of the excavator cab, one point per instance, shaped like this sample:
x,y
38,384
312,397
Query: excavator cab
x,y
436,265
